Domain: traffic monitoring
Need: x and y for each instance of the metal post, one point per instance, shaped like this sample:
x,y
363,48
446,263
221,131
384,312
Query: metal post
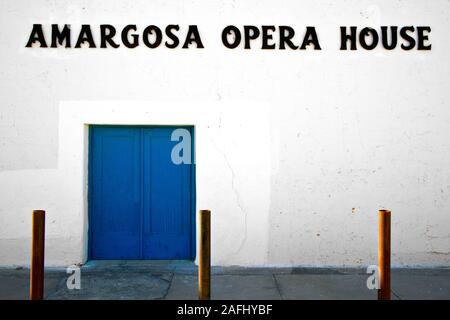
x,y
37,256
204,261
384,254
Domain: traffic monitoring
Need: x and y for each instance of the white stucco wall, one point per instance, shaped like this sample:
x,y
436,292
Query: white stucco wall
x,y
296,150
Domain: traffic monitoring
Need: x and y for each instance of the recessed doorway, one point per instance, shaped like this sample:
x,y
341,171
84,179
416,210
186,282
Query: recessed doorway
x,y
141,203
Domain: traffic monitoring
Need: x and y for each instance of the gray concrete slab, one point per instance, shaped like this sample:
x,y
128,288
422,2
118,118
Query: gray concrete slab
x,y
15,284
177,280
226,287
324,287
113,285
183,287
423,287
244,287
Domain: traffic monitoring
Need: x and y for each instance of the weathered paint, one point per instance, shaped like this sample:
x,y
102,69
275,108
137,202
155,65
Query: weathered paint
x,y
296,151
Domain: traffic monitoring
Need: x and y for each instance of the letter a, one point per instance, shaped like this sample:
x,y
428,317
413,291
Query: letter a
x,y
74,280
36,35
181,152
372,281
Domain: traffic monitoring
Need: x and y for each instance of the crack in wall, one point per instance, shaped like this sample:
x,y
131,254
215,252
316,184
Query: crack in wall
x,y
236,194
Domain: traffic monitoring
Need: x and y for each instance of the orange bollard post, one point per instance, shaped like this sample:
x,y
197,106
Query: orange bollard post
x,y
204,261
37,256
384,254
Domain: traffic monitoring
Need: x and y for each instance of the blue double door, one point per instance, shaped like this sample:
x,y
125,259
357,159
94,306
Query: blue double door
x,y
140,202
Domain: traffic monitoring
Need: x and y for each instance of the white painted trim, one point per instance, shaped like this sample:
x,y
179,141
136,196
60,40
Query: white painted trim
x,y
224,184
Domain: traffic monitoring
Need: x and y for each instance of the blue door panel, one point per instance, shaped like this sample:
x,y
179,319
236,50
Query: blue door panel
x,y
115,184
166,199
140,201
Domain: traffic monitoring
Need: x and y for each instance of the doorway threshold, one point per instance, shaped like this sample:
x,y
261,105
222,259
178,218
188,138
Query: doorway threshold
x,y
152,266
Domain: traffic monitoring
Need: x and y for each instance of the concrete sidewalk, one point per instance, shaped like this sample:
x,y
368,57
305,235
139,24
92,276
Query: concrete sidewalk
x,y
178,280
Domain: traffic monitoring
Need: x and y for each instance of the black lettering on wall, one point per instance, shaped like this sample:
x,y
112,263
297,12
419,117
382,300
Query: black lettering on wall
x,y
368,32
231,30
152,36
310,39
286,34
266,36
193,36
36,35
125,39
250,33
385,37
85,35
172,36
107,33
149,31
348,37
422,37
60,36
410,41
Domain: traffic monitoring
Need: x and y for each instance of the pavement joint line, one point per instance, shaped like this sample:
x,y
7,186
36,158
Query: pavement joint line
x,y
398,297
277,286
60,284
163,297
